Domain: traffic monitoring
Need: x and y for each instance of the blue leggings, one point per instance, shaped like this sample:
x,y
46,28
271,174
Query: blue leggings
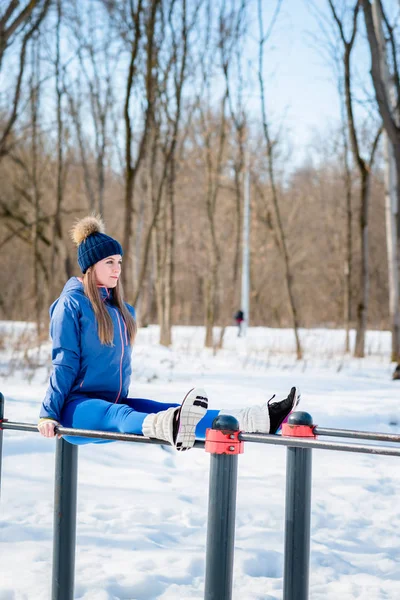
x,y
125,417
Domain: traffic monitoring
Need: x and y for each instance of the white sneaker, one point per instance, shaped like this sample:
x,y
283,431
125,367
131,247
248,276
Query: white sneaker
x,y
177,425
191,411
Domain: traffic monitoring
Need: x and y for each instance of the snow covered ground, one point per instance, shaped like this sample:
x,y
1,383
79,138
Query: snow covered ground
x,y
142,510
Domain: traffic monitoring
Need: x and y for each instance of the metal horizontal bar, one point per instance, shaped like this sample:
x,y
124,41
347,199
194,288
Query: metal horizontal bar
x,y
362,435
94,434
19,426
278,440
245,437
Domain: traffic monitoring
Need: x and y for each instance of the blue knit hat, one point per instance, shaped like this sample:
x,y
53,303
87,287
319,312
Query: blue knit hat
x,y
93,244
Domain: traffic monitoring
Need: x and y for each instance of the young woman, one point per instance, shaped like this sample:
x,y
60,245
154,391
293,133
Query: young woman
x,y
92,331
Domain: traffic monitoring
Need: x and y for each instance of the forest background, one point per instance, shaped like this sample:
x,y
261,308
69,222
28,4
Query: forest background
x,y
154,112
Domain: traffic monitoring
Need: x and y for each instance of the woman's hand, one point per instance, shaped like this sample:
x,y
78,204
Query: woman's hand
x,y
46,428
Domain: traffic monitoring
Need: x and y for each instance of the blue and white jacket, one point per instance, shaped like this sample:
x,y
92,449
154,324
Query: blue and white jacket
x,y
82,365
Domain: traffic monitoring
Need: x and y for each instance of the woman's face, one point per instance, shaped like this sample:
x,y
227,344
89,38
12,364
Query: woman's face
x,y
108,270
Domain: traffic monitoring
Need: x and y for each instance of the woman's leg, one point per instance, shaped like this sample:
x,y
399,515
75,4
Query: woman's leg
x,y
128,417
147,406
101,415
97,414
206,423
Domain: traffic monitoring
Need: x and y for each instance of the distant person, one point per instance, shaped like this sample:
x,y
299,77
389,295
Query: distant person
x,y
239,318
396,373
92,331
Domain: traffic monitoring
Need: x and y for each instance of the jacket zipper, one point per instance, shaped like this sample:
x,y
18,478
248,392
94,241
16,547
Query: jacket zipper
x,y
106,297
122,355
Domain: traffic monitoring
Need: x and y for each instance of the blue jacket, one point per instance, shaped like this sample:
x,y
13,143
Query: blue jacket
x,y
82,365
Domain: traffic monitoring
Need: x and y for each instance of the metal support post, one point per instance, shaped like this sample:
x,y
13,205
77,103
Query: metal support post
x,y
224,446
65,494
298,510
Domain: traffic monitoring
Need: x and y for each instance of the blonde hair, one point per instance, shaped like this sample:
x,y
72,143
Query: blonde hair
x,y
105,328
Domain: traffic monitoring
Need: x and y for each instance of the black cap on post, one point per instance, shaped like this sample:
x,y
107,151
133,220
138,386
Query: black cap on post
x,y
300,418
225,423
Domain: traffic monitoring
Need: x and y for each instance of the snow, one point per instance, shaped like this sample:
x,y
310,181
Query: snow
x,y
142,510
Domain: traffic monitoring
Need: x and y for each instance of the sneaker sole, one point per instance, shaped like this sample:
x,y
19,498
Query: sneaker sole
x,y
193,409
296,401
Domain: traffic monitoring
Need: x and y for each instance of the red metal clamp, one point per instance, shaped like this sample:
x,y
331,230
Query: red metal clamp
x,y
298,430
223,442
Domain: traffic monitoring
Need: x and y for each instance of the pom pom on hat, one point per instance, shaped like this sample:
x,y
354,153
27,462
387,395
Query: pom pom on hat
x,y
85,227
93,244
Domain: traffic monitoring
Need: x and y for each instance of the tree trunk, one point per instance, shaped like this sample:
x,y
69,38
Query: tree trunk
x,y
362,305
166,332
348,263
131,167
391,207
36,192
274,193
211,298
59,256
384,105
76,118
348,256
213,175
282,240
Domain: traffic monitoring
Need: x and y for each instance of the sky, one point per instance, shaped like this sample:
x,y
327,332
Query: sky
x,y
302,93
142,510
302,79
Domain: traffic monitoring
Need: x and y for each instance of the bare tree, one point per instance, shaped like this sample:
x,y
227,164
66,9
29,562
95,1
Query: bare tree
x,y
231,51
386,101
12,21
172,107
59,257
132,164
214,131
186,198
75,109
392,85
97,65
36,184
364,169
26,23
348,260
264,36
335,57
